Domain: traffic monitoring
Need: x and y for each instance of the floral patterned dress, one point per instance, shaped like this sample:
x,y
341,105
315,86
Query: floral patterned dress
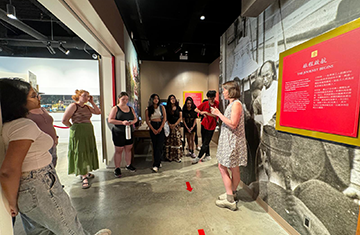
x,y
232,151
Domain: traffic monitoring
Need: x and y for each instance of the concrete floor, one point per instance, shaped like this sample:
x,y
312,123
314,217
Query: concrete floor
x,y
158,203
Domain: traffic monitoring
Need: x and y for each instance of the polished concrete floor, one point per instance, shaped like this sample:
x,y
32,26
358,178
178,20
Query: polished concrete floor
x,y
158,203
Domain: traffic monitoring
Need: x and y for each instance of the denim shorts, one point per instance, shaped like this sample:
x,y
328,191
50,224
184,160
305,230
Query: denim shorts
x,y
44,206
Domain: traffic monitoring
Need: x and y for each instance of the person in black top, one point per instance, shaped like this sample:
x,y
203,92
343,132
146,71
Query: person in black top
x,y
173,143
121,116
189,119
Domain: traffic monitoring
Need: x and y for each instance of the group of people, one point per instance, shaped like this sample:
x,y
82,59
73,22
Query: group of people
x,y
232,148
28,170
158,116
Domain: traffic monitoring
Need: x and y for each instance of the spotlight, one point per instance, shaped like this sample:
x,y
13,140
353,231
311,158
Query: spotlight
x,y
202,17
10,11
63,49
50,48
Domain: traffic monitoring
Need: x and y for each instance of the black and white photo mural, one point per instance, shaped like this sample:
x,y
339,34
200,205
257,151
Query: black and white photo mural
x,y
313,184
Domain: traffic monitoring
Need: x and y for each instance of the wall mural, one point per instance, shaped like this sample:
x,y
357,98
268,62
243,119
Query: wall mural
x,y
312,184
132,75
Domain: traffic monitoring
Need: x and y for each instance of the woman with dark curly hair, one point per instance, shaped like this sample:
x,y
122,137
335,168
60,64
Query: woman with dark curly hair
x,y
155,119
173,145
189,120
27,175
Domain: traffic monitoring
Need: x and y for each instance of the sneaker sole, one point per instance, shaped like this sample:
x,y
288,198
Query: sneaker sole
x,y
224,206
130,170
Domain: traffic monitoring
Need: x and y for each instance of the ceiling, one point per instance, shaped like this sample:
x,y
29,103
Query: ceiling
x,y
44,27
162,30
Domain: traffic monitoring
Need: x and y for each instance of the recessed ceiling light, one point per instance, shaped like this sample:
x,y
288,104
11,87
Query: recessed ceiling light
x,y
202,17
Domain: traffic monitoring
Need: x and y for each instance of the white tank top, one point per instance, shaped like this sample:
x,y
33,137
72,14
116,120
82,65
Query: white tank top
x,y
156,114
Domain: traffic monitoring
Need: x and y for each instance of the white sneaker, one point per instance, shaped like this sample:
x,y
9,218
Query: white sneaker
x,y
193,155
155,169
198,148
196,160
104,232
226,204
160,165
224,196
206,158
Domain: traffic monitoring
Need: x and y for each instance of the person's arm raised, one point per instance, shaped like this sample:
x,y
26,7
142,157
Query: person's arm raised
x,y
234,120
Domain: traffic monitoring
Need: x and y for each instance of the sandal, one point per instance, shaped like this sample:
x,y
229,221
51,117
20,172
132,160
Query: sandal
x,y
85,183
89,176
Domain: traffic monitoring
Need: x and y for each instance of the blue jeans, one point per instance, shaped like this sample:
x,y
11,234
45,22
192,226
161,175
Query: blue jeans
x,y
53,152
44,206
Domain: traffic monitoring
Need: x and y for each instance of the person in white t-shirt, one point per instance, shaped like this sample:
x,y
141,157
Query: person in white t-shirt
x,y
27,175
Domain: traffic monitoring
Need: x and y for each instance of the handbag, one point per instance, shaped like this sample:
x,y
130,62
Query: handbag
x,y
166,129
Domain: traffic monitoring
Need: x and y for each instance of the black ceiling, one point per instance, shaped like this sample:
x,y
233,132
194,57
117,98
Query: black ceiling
x,y
15,42
164,29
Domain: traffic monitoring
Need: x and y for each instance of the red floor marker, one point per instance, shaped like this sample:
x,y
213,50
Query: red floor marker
x,y
189,187
201,232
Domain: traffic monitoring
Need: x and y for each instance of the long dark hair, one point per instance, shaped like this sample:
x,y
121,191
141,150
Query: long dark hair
x,y
150,107
193,106
168,104
13,98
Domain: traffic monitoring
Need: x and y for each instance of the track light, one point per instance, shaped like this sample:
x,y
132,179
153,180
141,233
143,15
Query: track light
x,y
50,48
10,11
63,49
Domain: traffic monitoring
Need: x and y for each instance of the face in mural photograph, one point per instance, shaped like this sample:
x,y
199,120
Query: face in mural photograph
x,y
296,176
267,73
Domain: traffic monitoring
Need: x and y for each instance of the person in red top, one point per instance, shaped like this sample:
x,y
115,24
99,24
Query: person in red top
x,y
208,125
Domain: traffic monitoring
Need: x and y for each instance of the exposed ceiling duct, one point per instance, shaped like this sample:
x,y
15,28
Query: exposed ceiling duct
x,y
22,26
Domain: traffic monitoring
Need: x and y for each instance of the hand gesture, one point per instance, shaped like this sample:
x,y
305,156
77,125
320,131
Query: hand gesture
x,y
215,111
91,99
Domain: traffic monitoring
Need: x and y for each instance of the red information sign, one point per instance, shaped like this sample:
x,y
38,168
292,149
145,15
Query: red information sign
x,y
320,86
196,95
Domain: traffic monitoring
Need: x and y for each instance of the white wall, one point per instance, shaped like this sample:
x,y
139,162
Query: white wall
x,y
56,76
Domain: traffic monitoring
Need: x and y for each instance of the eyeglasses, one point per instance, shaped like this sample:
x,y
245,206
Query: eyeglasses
x,y
35,95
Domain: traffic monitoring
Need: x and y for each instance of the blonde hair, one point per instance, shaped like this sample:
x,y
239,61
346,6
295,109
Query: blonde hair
x,y
78,93
233,88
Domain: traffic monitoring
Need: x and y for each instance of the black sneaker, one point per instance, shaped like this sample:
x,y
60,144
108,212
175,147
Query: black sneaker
x,y
130,168
117,173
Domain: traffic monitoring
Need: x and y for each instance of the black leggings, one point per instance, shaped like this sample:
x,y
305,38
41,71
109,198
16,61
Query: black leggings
x,y
157,142
206,136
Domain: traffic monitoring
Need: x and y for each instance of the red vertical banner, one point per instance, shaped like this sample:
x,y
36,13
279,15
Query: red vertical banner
x,y
113,80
